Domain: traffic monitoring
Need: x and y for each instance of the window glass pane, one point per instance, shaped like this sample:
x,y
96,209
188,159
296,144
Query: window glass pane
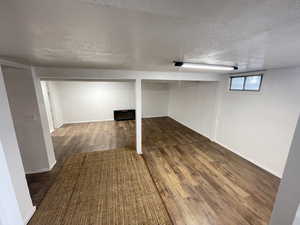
x,y
237,83
252,83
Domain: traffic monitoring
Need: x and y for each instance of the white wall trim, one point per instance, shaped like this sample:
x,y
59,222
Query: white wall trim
x,y
95,121
248,159
59,125
256,72
52,165
29,215
186,125
228,148
138,115
87,121
156,116
43,170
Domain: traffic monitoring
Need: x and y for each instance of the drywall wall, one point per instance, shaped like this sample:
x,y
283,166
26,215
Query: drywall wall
x,y
92,101
43,121
9,207
55,103
37,152
288,197
138,115
9,146
155,99
85,101
47,105
297,217
256,125
193,104
259,126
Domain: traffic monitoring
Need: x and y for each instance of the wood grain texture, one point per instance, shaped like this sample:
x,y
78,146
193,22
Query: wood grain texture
x,y
81,137
199,181
103,188
204,183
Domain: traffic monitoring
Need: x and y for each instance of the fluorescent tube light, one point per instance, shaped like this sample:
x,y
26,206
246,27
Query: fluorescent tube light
x,y
204,66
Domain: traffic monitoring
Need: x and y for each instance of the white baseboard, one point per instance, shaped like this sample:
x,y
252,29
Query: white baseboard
x,y
59,125
88,121
42,170
29,215
91,121
238,153
145,117
188,126
52,165
250,160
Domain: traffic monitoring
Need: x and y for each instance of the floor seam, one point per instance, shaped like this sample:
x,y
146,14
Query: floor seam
x,y
163,202
75,185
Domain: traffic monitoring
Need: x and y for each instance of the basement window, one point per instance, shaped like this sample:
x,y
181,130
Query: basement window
x,y
246,83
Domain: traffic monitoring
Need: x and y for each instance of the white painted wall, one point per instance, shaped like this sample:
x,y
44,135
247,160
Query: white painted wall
x,y
29,121
9,207
10,148
288,196
297,217
138,115
47,105
43,121
92,101
259,126
85,101
193,104
155,98
256,125
55,102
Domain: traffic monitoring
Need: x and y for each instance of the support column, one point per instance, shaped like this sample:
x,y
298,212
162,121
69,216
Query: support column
x,y
10,213
43,119
138,115
30,123
288,197
15,202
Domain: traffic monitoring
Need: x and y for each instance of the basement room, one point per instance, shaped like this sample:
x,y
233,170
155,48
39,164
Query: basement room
x,y
149,113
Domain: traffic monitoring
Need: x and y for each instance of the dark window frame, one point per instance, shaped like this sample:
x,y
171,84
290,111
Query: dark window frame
x,y
244,84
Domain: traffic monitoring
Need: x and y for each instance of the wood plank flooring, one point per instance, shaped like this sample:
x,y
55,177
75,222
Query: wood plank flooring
x,y
83,137
203,183
199,181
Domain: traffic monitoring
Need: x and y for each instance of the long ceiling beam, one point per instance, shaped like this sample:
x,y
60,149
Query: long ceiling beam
x,y
50,73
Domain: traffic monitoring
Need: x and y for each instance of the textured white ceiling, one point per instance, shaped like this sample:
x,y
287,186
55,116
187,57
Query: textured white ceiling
x,y
150,34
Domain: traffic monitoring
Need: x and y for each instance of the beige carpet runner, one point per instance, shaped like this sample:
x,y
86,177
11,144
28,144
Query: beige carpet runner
x,y
103,188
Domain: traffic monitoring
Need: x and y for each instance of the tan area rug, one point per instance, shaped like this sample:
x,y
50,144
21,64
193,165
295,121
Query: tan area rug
x,y
103,188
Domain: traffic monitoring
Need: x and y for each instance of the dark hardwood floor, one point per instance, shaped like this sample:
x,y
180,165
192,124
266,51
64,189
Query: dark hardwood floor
x,y
199,181
83,137
203,183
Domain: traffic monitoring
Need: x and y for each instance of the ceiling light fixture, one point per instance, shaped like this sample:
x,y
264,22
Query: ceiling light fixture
x,y
204,66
